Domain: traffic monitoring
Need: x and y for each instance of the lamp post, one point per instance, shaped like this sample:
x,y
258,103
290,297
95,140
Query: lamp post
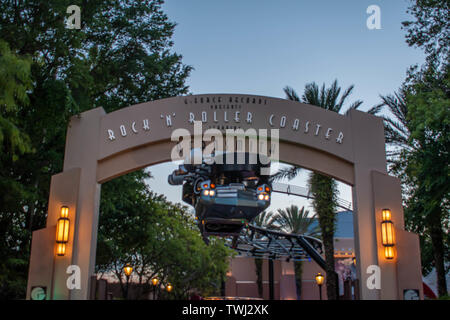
x,y
169,288
155,282
319,280
127,270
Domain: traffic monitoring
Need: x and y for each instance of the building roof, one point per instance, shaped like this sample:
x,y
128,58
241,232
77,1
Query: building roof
x,y
344,224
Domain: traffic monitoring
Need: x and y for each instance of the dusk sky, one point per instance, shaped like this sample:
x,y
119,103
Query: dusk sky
x,y
259,47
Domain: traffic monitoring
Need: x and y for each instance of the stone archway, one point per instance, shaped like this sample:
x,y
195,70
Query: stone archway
x,y
101,146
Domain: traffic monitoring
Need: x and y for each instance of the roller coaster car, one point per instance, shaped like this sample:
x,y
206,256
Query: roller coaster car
x,y
226,197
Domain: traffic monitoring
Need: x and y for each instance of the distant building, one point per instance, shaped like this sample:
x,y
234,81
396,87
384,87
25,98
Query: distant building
x,y
241,279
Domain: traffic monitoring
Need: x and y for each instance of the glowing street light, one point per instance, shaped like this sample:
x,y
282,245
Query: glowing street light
x,y
319,280
128,270
155,282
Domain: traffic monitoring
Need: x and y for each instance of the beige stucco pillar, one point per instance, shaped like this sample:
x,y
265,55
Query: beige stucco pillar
x,y
82,147
369,155
373,191
404,271
77,188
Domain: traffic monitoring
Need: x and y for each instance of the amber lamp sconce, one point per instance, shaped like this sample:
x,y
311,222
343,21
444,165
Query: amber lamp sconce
x,y
62,231
388,234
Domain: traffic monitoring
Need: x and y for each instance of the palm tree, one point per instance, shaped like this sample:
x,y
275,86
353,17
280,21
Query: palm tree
x,y
323,187
396,130
427,223
265,219
295,220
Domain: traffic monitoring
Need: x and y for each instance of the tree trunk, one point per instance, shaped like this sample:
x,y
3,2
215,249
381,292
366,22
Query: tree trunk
x,y
331,280
438,254
324,192
258,265
298,266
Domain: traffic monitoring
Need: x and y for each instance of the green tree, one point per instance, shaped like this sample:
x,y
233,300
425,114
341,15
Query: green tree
x,y
122,55
14,84
416,129
295,220
428,166
323,187
15,81
158,239
430,29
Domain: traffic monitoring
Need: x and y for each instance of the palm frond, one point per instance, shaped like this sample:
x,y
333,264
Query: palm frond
x,y
266,219
286,173
344,97
295,220
375,109
291,94
354,106
397,106
311,94
396,127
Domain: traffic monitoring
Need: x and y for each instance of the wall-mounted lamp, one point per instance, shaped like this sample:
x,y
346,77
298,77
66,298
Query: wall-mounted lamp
x,y
62,231
387,234
169,287
60,249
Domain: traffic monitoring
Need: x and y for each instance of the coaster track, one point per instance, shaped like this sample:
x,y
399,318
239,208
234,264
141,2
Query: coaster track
x,y
305,193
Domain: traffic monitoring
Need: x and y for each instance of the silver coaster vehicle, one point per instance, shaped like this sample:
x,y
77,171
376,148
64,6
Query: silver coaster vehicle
x,y
227,191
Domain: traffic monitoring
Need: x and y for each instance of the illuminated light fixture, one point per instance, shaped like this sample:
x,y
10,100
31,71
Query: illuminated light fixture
x,y
389,252
211,192
267,189
169,287
206,192
128,270
213,185
155,281
386,215
60,249
319,279
263,196
62,231
387,234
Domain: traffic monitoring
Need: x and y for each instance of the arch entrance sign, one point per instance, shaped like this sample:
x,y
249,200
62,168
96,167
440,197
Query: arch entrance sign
x,y
100,147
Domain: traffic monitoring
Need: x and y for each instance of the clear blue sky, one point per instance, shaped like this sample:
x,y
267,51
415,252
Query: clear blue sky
x,y
259,47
